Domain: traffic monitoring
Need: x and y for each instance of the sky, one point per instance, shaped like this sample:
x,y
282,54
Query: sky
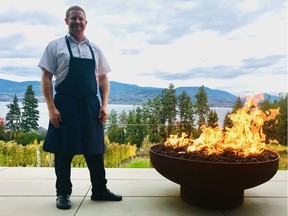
x,y
239,46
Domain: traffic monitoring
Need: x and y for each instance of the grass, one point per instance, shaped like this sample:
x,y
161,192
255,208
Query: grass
x,y
137,163
283,152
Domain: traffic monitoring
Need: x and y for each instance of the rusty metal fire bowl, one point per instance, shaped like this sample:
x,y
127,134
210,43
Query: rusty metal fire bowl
x,y
218,185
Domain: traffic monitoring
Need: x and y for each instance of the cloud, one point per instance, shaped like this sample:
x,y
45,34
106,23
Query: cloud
x,y
21,71
216,72
131,51
219,16
249,66
32,17
11,41
164,21
256,63
12,46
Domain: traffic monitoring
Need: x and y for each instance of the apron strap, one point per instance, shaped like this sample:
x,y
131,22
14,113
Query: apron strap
x,y
70,51
68,46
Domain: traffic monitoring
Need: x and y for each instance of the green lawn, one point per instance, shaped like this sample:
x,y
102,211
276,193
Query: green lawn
x,y
283,152
137,163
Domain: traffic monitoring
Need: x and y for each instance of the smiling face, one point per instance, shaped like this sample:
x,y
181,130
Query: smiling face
x,y
76,22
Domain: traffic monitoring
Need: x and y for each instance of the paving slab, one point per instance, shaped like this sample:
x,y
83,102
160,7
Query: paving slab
x,y
31,191
38,187
260,207
144,206
40,173
136,188
35,206
129,173
281,175
268,189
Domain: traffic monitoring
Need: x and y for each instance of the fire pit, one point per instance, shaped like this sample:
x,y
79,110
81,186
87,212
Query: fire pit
x,y
212,175
208,184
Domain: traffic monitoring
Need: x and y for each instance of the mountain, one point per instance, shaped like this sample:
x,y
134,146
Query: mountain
x,y
121,93
12,87
216,98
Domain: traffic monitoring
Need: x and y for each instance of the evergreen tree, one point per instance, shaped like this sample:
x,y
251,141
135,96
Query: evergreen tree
x,y
152,119
13,117
135,131
213,119
238,104
140,127
169,103
122,121
186,112
276,129
202,108
113,127
30,114
280,128
131,129
227,123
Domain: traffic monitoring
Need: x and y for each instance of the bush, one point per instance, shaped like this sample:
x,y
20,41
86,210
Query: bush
x,y
28,138
13,155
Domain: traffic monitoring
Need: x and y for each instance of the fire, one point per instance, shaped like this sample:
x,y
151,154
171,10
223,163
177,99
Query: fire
x,y
244,138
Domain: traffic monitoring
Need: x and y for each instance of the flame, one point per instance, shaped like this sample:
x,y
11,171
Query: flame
x,y
244,138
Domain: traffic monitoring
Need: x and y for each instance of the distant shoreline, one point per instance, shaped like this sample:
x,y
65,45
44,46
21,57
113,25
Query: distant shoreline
x,y
126,94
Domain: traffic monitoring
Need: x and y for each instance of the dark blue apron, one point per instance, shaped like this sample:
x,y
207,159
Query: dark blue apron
x,y
76,99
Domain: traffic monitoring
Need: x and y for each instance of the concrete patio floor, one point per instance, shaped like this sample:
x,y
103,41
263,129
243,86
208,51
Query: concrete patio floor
x,y
30,191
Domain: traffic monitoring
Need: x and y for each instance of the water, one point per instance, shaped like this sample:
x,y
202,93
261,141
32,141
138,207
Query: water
x,y
44,116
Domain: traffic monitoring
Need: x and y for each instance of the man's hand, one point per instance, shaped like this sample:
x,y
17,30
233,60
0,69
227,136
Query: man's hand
x,y
104,87
55,117
47,90
103,114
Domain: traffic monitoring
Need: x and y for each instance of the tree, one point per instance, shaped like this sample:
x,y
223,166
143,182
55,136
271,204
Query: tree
x,y
30,114
140,127
212,119
113,127
168,99
281,127
152,111
227,123
122,122
238,104
186,111
13,117
276,129
130,129
135,127
201,106
2,128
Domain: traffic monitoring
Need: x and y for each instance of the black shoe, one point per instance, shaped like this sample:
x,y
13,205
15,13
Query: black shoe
x,y
106,196
63,202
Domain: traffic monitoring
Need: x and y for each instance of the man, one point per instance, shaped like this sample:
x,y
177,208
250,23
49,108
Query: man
x,y
76,114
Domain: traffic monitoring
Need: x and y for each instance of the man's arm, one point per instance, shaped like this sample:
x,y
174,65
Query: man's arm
x,y
104,88
47,91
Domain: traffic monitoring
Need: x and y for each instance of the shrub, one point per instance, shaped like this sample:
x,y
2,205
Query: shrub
x,y
13,154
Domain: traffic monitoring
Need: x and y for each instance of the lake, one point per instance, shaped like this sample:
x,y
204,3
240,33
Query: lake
x,y
44,117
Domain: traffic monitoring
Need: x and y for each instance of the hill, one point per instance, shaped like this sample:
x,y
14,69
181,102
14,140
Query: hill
x,y
121,93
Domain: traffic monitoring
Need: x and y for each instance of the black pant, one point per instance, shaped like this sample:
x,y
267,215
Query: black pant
x,y
95,165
